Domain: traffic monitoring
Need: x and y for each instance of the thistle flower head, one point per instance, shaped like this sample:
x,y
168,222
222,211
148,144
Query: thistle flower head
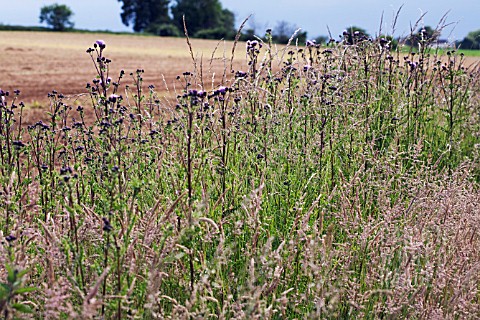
x,y
222,90
106,225
99,43
253,44
113,98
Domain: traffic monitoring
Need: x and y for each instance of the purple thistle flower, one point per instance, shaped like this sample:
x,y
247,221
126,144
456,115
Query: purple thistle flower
x,y
18,143
222,90
240,74
311,43
113,98
107,227
252,44
100,43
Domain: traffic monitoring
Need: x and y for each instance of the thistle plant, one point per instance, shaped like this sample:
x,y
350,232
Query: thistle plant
x,y
323,181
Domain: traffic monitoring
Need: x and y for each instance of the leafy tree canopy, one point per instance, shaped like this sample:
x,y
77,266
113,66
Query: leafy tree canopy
x,y
57,16
142,14
471,41
283,31
322,39
205,18
204,15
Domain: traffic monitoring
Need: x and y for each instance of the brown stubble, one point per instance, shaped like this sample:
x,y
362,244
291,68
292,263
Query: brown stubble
x,y
38,62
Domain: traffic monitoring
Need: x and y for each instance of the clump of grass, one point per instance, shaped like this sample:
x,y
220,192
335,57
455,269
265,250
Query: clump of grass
x,y
319,182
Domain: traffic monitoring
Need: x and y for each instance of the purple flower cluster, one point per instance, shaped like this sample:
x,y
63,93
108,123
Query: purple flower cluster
x,y
40,124
197,93
100,43
107,227
240,74
113,98
253,46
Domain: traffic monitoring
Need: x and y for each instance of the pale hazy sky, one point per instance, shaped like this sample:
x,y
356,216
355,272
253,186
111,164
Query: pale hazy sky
x,y
311,15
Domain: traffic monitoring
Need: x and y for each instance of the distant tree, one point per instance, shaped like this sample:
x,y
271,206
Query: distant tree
x,y
322,39
215,33
163,30
56,16
227,21
354,34
251,30
143,14
204,18
387,41
284,31
471,41
425,36
248,34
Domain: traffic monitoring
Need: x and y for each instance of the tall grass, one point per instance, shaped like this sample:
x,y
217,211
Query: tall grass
x,y
319,182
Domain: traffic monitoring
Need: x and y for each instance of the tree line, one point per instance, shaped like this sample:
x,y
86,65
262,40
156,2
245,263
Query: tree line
x,y
208,19
204,18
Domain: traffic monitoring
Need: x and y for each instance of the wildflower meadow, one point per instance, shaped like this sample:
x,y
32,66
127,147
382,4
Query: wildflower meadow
x,y
306,181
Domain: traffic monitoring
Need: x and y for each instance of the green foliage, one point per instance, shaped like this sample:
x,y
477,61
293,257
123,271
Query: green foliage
x,y
388,41
57,16
352,29
34,28
216,33
284,31
470,53
145,14
163,30
205,19
11,290
322,40
22,28
203,15
471,41
248,34
319,182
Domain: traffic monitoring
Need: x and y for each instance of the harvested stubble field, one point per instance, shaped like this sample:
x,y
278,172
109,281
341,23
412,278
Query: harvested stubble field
x,y
38,62
317,183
